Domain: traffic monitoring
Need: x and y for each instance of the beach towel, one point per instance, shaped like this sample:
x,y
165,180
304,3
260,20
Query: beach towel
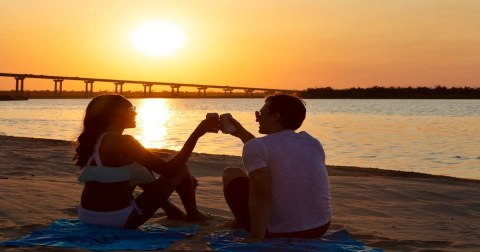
x,y
225,241
66,233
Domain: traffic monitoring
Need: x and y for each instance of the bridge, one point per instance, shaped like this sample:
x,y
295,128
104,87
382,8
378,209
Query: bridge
x,y
58,85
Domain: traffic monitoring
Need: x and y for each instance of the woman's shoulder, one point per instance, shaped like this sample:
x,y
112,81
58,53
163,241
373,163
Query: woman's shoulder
x,y
119,142
117,138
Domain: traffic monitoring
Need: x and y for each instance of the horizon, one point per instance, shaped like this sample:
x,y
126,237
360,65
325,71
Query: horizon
x,y
280,45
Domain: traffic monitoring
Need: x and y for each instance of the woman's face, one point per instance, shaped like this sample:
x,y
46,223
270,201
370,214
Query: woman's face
x,y
125,117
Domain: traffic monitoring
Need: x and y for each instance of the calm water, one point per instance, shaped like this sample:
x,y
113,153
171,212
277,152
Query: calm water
x,y
430,136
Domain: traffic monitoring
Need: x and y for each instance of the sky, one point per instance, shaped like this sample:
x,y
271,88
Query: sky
x,y
270,44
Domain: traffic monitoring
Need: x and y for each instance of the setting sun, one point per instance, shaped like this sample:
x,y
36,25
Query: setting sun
x,y
158,38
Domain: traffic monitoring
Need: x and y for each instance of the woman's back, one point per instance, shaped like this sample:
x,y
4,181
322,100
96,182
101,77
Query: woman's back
x,y
110,176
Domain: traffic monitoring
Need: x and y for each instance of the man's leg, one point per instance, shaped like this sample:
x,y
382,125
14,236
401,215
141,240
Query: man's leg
x,y
236,190
306,234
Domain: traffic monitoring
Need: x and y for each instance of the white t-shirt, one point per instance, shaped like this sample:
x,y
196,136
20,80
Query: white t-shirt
x,y
300,188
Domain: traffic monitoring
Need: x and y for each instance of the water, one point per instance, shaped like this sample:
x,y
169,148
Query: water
x,y
431,136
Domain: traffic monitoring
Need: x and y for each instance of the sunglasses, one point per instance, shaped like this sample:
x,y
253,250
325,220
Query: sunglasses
x,y
257,114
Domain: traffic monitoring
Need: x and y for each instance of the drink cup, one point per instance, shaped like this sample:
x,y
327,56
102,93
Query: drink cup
x,y
225,125
215,116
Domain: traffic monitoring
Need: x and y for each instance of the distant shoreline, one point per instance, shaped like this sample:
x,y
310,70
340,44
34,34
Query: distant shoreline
x,y
12,98
237,97
438,92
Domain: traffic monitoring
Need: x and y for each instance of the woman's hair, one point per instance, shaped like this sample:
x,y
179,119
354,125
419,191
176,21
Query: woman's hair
x,y
97,118
291,108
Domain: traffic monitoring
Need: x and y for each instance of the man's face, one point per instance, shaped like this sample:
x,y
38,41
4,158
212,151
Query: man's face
x,y
264,119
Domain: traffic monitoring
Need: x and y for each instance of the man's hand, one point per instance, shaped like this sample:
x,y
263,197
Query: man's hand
x,y
241,132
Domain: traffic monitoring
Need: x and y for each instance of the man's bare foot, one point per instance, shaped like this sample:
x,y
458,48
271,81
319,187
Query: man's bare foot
x,y
199,217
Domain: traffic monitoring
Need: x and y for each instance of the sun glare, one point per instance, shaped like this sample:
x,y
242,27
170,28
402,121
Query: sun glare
x,y
158,38
152,116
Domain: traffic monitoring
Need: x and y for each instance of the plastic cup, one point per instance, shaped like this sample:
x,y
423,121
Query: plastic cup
x,y
225,125
215,116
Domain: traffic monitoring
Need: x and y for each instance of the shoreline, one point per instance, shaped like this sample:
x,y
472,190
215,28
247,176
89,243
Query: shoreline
x,y
333,170
391,210
241,97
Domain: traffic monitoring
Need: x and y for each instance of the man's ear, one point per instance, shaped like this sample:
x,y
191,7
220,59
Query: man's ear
x,y
276,117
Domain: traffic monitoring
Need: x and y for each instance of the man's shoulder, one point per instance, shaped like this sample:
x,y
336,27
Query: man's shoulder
x,y
254,142
305,134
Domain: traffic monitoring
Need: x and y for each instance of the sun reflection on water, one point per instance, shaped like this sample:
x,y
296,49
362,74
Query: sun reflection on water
x,y
152,118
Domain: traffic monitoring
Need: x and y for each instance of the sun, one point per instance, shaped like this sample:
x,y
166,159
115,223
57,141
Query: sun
x,y
158,38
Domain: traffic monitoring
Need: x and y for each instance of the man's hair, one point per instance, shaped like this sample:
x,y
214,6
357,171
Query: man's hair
x,y
291,108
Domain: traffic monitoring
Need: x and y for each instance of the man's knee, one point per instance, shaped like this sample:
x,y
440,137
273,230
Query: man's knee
x,y
231,173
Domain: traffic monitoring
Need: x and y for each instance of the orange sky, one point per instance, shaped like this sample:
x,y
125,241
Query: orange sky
x,y
271,44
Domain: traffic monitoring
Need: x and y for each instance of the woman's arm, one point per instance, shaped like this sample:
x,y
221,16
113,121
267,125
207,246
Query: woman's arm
x,y
152,162
183,155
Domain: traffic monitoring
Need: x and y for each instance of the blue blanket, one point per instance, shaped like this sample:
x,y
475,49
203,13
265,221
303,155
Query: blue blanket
x,y
74,234
225,241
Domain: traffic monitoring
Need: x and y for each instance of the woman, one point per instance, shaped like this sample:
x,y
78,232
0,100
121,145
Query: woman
x,y
114,164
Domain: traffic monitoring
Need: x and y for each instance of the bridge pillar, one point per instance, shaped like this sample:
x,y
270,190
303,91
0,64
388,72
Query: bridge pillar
x,y
228,90
149,89
121,87
59,81
249,91
202,88
89,93
175,86
19,80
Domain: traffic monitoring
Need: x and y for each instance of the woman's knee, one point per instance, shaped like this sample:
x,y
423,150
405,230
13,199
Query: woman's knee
x,y
182,174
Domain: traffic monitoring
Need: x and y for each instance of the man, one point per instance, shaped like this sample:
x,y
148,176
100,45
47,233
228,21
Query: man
x,y
284,191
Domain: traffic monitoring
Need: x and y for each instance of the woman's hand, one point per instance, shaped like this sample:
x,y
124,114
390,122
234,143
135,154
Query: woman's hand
x,y
208,125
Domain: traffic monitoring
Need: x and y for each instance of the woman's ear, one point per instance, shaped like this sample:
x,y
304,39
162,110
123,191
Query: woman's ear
x,y
112,118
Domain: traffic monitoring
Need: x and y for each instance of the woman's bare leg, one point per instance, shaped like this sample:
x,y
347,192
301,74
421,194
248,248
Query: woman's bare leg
x,y
153,197
186,190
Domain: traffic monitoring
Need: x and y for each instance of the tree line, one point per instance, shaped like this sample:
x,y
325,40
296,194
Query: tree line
x,y
376,92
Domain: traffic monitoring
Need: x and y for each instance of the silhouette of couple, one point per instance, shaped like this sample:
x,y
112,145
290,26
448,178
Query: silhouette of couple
x,y
282,190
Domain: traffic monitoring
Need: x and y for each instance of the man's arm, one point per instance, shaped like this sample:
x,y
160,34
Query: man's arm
x,y
240,131
259,201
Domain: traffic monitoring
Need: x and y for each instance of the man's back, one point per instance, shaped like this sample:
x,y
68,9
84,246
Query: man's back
x,y
300,189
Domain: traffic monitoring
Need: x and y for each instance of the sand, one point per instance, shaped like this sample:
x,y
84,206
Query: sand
x,y
395,211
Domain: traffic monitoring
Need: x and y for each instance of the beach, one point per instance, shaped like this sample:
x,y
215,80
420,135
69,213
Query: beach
x,y
394,211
